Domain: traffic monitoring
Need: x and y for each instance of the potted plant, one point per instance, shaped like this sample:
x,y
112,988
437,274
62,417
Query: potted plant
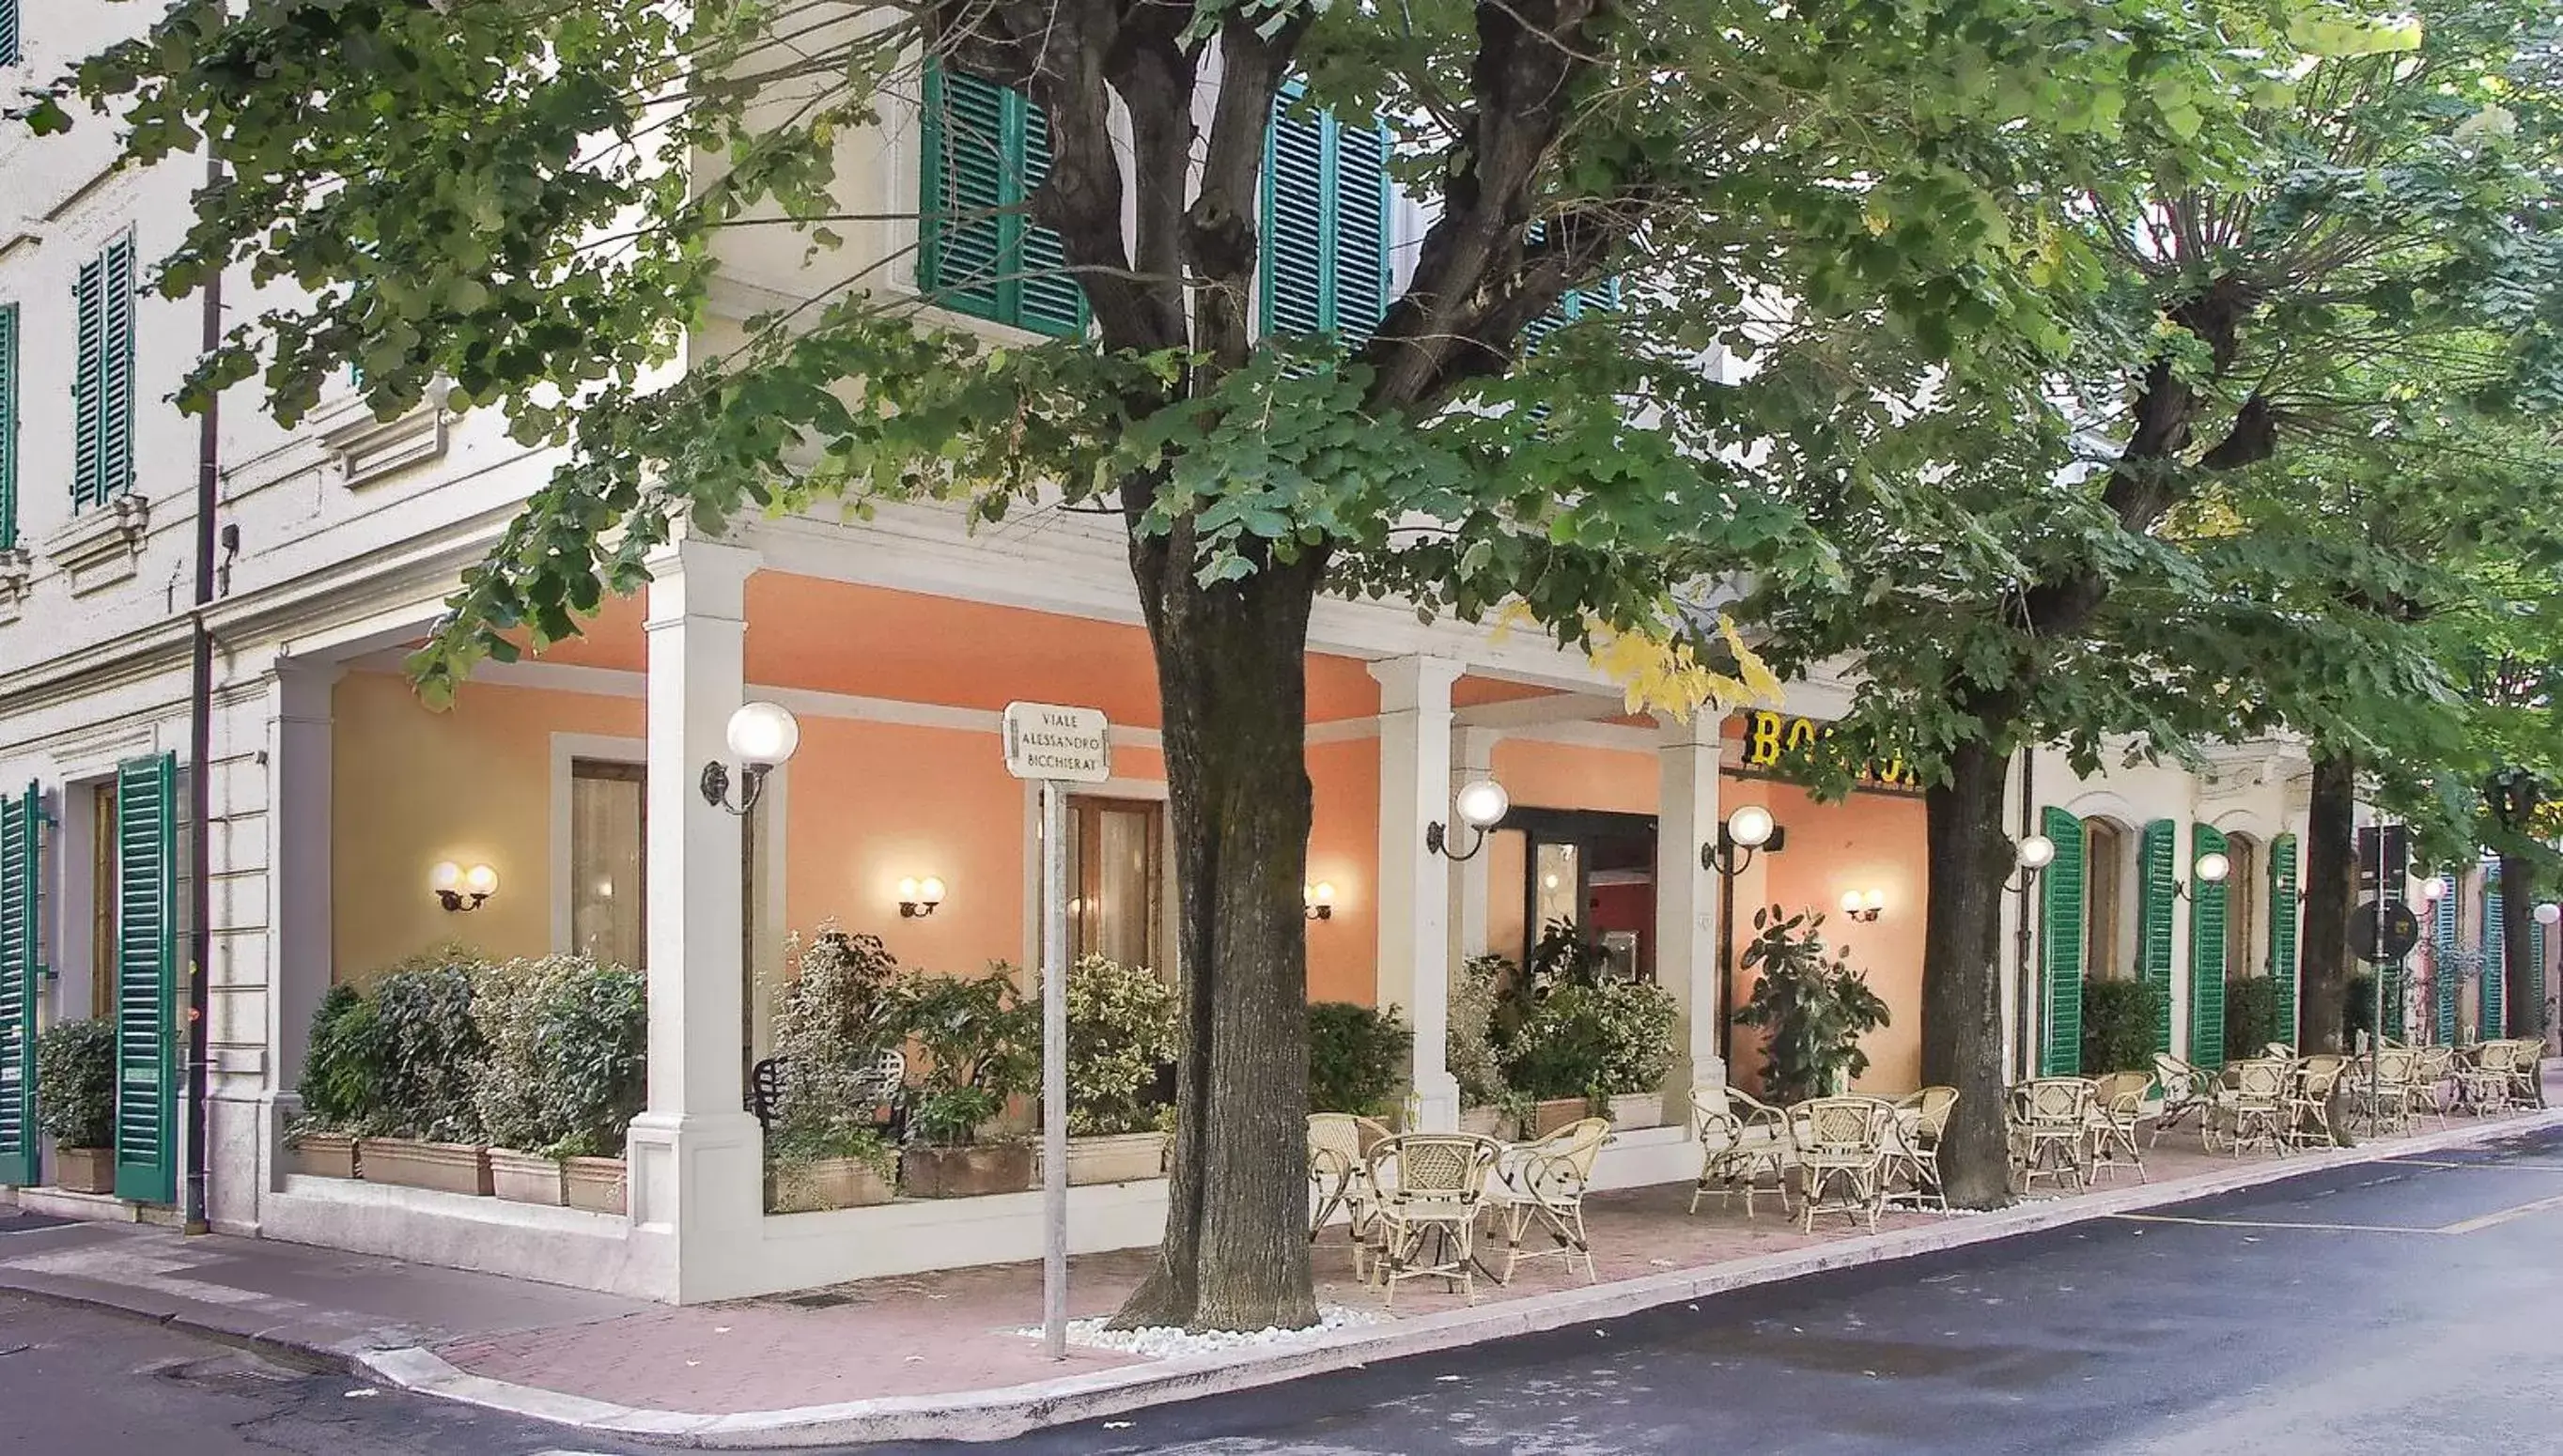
x,y
1358,1059
76,1103
836,1016
2118,1018
1814,1009
566,1071
979,1041
431,1053
1121,1030
342,1085
1637,1020
1560,1056
1488,1105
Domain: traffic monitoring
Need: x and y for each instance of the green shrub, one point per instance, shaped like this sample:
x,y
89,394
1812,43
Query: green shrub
x,y
981,1042
76,1084
2358,1006
1564,1047
569,1055
1357,1057
2250,1016
1815,1009
836,1016
342,1069
1469,1047
2118,1023
1638,1022
430,1049
1121,1030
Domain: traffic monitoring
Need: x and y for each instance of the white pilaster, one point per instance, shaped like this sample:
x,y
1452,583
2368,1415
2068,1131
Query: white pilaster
x,y
1472,757
1687,923
300,951
1414,882
696,1154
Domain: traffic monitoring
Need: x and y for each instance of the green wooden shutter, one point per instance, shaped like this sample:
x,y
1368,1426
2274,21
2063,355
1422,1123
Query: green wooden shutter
x,y
2491,1026
2283,931
1049,298
2207,905
2442,971
146,979
19,977
987,148
2061,902
10,55
116,447
2157,855
1359,259
1324,264
8,422
89,393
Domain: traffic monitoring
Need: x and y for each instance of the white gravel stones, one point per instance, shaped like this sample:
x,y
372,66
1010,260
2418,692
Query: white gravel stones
x,y
1167,1341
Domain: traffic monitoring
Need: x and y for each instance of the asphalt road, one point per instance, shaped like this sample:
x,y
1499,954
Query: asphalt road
x,y
2394,1308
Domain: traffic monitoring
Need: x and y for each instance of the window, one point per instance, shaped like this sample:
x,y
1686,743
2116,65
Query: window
x,y
608,852
1325,226
1116,862
2107,954
10,55
8,392
2246,949
987,148
103,385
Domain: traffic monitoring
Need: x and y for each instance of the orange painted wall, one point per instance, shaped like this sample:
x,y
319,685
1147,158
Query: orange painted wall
x,y
409,787
1572,775
1343,850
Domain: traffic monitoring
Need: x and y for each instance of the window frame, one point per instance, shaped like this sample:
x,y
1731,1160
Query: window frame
x,y
103,423
1331,208
1015,232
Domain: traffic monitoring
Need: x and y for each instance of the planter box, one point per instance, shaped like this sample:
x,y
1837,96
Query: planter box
x,y
595,1184
324,1154
1556,1112
830,1182
1117,1158
526,1177
85,1169
1631,1111
1486,1122
447,1168
966,1173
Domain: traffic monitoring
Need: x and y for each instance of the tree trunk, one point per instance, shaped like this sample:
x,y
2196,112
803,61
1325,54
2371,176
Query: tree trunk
x,y
2329,896
1233,684
2523,1000
1968,858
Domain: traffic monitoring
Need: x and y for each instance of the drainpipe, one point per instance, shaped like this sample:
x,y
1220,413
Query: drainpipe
x,y
2030,987
199,741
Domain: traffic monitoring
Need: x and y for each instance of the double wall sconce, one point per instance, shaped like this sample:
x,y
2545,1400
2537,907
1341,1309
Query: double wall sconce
x,y
1319,899
2212,868
1864,905
762,736
2032,854
462,889
918,897
1748,831
1480,804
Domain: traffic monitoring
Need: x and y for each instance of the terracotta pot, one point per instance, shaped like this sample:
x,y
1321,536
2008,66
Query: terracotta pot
x,y
595,1184
324,1154
830,1182
528,1177
1486,1122
1117,1157
449,1168
1558,1112
966,1173
85,1169
1633,1110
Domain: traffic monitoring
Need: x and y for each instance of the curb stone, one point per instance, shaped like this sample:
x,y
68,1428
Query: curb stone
x,y
1005,1411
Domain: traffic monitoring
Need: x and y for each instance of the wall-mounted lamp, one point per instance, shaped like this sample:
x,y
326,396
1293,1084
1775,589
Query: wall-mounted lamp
x,y
2433,890
1863,906
2549,913
1480,803
2212,869
1747,831
762,736
918,897
2030,856
458,888
1319,899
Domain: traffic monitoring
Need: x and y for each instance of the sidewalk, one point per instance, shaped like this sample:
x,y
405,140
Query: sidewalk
x,y
946,1354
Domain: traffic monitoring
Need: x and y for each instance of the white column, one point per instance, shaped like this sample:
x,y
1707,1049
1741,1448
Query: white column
x,y
696,1155
300,950
1686,929
1414,882
1472,757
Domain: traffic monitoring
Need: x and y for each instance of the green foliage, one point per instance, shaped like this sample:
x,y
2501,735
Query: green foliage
x,y
1564,1046
1563,956
75,1083
1357,1057
2118,1019
569,1055
1121,1032
1814,1009
1468,1044
2358,1006
836,1015
432,1049
1638,1022
2251,1014
344,1068
981,1042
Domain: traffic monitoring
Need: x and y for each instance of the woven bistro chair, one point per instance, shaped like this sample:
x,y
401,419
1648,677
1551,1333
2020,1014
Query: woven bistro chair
x,y
2051,1130
1841,1148
1427,1189
2255,1109
2389,1108
2278,1052
1340,1147
2527,1072
1543,1183
2434,1082
2186,1090
1738,1147
2120,1107
2485,1078
2307,1120
1922,1119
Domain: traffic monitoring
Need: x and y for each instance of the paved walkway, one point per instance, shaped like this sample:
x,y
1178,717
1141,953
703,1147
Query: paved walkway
x,y
904,1353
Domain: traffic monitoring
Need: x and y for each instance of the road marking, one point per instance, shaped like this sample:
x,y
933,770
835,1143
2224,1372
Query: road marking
x,y
2475,1167
2493,1221
2272,1223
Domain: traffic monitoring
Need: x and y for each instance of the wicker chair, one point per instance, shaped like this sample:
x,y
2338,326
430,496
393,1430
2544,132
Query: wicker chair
x,y
2278,1052
2051,1130
2388,1106
1923,1119
1738,1148
2185,1091
2254,1107
1543,1181
2434,1082
1427,1189
2118,1109
2527,1072
1339,1145
2307,1120
2485,1079
1841,1148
